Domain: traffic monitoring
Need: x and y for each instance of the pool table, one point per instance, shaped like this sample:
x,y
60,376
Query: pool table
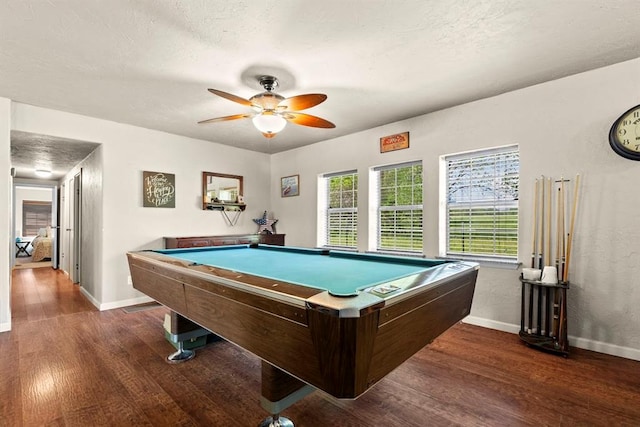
x,y
332,320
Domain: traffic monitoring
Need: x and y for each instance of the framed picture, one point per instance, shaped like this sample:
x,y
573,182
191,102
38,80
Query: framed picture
x,y
290,186
398,141
158,190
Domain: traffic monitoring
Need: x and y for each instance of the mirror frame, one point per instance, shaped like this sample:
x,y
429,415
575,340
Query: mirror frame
x,y
205,179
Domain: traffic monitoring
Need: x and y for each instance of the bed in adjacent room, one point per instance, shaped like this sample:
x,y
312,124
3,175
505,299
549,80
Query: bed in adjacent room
x,y
42,246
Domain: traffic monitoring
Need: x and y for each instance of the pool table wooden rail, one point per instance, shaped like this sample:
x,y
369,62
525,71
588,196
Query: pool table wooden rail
x,y
341,356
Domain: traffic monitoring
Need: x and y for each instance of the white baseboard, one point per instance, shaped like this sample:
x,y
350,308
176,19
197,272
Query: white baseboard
x,y
90,297
5,327
584,343
115,304
603,347
125,303
492,324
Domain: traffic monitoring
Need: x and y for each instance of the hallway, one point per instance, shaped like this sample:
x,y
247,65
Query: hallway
x,y
44,293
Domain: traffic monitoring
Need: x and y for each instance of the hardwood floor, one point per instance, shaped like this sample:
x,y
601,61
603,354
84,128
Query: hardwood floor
x,y
67,364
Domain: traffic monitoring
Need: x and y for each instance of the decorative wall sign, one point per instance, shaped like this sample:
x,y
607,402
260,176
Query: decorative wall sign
x,y
398,141
158,190
290,186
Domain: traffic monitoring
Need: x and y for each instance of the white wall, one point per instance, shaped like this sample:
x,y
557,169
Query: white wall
x,y
5,215
119,221
561,128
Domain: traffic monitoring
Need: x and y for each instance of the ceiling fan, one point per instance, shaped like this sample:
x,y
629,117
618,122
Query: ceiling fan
x,y
273,111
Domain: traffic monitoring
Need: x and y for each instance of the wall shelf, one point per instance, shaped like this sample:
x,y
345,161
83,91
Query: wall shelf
x,y
224,206
230,211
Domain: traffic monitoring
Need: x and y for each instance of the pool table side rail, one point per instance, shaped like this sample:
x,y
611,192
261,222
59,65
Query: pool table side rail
x,y
168,281
416,284
227,279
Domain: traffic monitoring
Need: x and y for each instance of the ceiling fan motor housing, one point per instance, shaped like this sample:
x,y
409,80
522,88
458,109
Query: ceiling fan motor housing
x,y
269,83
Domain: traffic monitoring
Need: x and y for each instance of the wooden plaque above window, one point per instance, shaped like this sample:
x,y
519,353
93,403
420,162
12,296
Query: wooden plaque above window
x,y
398,141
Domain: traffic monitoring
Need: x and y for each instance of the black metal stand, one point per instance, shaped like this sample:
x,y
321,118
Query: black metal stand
x,y
543,322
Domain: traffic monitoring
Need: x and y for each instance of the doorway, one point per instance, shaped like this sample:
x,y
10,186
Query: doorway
x,y
35,223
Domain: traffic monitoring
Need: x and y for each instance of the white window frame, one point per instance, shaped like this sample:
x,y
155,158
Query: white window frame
x,y
497,197
376,210
326,211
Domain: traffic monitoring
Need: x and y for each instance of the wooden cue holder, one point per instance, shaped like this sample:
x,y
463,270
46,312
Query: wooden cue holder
x,y
543,322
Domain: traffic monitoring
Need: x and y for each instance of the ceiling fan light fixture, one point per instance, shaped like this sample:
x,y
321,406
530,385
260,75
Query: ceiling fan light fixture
x,y
43,173
269,124
272,111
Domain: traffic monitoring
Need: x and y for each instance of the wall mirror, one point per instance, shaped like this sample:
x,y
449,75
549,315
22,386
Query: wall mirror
x,y
220,190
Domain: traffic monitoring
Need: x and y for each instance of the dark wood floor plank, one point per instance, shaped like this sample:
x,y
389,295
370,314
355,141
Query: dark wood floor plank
x,y
67,364
552,377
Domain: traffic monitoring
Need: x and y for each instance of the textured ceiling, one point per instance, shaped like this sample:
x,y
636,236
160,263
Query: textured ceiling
x,y
149,63
30,152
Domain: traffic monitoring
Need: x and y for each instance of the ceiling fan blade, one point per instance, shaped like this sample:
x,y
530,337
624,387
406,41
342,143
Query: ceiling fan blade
x,y
231,97
308,120
226,118
302,102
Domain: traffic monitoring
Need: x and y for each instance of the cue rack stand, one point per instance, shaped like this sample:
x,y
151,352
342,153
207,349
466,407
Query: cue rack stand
x,y
543,311
545,307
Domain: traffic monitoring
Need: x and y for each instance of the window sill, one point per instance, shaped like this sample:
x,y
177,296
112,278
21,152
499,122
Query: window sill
x,y
397,253
506,264
339,248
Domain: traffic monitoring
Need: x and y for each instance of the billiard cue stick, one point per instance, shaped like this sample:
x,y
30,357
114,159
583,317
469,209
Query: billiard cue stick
x,y
561,337
522,305
548,230
547,251
558,231
559,256
560,293
552,292
541,229
534,226
534,257
572,222
537,253
540,247
562,234
562,332
562,341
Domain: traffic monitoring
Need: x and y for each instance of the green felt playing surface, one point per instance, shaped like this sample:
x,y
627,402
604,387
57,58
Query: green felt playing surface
x,y
339,273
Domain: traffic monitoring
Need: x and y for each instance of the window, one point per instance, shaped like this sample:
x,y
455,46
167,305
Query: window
x,y
482,203
399,189
35,215
341,209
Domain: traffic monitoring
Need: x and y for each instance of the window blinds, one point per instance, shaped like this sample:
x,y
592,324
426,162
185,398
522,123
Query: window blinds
x,y
399,190
482,203
341,218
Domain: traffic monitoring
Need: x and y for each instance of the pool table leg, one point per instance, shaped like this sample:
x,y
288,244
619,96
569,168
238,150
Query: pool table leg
x,y
181,329
279,391
276,421
182,355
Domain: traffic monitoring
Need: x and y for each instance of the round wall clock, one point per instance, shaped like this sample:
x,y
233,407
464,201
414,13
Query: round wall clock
x,y
624,136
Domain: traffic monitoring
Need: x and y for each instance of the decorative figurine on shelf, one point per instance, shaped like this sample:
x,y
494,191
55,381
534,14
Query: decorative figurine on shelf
x,y
265,225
